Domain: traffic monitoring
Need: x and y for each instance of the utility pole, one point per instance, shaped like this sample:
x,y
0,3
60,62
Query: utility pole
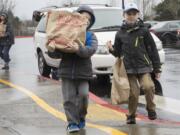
x,y
143,9
123,6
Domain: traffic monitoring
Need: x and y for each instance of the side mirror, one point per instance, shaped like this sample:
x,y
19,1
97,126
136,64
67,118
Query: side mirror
x,y
37,15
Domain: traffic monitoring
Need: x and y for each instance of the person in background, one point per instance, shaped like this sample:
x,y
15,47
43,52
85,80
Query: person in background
x,y
75,72
6,41
134,42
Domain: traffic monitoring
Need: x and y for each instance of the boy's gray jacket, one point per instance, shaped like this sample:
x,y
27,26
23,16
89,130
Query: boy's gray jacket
x,y
138,48
8,39
78,65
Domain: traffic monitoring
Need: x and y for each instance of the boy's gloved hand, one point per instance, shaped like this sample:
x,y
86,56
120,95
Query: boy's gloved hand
x,y
109,46
157,76
1,34
157,73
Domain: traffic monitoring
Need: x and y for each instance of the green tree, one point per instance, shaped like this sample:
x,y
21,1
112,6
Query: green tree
x,y
168,10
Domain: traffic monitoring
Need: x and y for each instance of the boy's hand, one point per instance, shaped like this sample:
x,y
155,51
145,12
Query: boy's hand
x,y
109,45
1,34
157,76
73,46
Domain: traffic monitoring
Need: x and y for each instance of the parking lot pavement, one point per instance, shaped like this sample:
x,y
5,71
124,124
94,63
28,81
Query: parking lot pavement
x,y
35,103
32,103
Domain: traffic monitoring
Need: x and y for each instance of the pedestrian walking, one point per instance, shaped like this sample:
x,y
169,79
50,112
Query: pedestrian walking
x,y
6,40
135,44
75,71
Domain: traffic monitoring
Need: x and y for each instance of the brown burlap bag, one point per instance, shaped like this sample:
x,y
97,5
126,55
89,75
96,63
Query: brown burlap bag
x,y
64,27
120,84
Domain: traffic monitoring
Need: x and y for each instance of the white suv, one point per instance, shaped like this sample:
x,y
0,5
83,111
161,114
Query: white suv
x,y
108,20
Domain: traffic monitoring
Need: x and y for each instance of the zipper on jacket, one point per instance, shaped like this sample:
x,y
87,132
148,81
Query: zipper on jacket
x,y
146,59
137,42
73,68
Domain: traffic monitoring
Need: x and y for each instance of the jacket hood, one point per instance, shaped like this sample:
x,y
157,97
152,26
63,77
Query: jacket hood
x,y
5,16
89,10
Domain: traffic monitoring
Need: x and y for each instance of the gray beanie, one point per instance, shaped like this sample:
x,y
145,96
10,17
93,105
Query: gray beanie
x,y
89,10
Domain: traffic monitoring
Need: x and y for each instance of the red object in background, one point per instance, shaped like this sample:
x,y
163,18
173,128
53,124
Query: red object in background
x,y
153,31
178,32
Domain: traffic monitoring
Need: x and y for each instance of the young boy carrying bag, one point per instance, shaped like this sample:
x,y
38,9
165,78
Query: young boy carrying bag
x,y
75,71
134,42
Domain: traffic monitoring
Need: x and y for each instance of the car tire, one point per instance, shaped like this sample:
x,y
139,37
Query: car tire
x,y
44,69
167,40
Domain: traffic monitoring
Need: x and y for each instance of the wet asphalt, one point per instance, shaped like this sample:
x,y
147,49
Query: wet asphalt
x,y
21,115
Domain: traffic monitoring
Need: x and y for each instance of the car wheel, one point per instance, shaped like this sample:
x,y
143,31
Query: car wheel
x,y
44,69
167,41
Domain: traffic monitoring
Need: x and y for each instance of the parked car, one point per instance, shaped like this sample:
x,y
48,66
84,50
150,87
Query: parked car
x,y
167,31
178,37
152,23
102,61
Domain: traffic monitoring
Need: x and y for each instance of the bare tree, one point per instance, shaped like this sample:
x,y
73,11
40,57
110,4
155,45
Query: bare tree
x,y
7,5
148,7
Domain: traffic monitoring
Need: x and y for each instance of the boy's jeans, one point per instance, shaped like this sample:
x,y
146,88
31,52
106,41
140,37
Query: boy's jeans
x,y
75,95
4,53
144,82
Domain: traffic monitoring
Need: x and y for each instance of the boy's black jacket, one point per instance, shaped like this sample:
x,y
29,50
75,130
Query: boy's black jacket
x,y
138,48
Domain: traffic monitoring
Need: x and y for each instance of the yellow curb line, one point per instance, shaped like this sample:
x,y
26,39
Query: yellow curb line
x,y
55,112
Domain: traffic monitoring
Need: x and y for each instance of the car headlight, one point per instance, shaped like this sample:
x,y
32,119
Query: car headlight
x,y
102,49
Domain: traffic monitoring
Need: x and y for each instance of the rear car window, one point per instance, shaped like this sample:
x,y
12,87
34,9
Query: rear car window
x,y
42,25
159,25
174,25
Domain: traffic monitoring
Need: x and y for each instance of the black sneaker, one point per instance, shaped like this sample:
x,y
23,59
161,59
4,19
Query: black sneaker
x,y
6,67
131,120
152,115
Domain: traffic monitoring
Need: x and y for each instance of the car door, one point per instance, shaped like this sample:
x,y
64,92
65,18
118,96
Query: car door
x,y
173,27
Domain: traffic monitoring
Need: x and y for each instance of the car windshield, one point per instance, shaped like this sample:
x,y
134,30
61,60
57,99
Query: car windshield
x,y
107,18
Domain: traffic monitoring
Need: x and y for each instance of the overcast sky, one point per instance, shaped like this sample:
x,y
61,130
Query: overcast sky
x,y
24,8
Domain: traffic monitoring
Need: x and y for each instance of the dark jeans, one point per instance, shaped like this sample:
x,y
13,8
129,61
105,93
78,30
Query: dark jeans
x,y
4,53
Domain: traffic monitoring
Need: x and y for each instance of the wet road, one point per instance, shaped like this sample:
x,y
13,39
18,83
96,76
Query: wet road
x,y
170,78
31,105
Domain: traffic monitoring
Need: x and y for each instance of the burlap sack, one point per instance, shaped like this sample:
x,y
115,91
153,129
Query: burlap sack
x,y
2,30
64,27
120,84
